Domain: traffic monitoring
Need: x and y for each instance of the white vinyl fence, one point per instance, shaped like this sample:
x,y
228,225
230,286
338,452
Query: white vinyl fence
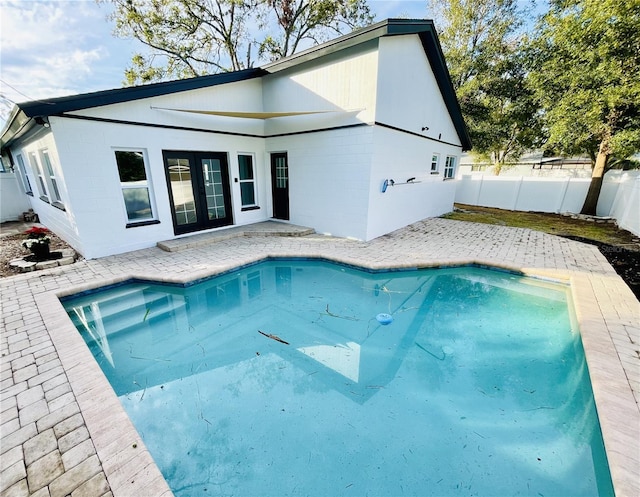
x,y
619,198
13,202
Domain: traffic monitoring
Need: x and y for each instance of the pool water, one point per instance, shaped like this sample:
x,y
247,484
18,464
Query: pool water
x,y
278,379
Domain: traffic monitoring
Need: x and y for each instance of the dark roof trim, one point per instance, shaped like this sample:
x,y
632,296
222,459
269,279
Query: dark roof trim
x,y
413,133
432,48
71,103
388,27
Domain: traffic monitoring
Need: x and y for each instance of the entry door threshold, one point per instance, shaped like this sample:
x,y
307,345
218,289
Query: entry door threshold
x,y
266,228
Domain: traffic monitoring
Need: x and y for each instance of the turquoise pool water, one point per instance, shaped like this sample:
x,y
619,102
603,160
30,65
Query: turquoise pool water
x,y
279,379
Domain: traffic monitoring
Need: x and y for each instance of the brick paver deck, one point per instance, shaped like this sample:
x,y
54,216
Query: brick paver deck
x,y
63,431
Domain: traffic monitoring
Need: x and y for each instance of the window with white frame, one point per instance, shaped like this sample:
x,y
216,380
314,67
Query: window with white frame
x,y
42,183
247,181
51,176
132,170
435,163
22,173
450,167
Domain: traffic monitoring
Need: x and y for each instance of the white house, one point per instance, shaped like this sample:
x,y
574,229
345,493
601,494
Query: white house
x,y
311,139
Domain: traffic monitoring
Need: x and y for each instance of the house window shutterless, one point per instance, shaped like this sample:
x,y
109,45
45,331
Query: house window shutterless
x,y
435,163
22,172
52,182
42,184
247,181
450,167
132,170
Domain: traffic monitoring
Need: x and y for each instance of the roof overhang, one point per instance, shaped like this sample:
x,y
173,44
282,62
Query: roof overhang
x,y
23,114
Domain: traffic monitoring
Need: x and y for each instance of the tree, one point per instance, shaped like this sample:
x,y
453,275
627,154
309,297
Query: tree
x,y
482,44
586,60
195,37
314,21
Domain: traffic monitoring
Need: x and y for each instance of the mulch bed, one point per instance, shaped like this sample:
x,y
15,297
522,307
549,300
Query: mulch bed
x,y
625,262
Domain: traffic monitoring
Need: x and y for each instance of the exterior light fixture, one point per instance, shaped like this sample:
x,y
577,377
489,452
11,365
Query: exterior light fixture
x,y
42,121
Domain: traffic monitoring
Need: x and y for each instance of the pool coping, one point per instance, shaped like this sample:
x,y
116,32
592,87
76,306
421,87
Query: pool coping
x,y
131,470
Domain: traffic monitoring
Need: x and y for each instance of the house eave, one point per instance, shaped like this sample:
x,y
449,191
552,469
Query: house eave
x,y
18,124
60,105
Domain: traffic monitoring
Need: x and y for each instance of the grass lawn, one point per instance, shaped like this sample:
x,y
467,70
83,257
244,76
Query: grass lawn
x,y
555,224
620,247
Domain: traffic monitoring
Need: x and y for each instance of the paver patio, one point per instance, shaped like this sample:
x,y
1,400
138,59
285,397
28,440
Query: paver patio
x,y
63,431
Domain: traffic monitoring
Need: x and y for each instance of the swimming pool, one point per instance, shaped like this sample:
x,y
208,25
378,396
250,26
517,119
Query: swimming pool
x,y
279,379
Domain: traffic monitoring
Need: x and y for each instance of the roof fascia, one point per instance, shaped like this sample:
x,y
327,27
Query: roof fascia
x,y
433,50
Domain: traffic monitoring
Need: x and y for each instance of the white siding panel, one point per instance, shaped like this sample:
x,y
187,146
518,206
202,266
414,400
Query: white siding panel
x,y
408,95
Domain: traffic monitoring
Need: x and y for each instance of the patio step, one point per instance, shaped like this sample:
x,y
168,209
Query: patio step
x,y
266,228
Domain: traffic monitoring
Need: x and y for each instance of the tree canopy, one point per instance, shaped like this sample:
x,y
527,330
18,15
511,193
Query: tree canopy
x,y
190,38
585,68
482,43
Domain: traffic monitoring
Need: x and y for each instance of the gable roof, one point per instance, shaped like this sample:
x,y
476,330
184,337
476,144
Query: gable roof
x,y
24,114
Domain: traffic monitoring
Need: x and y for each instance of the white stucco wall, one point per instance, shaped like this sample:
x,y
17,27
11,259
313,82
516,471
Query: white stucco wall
x,y
242,96
408,96
400,156
62,222
344,83
329,179
98,208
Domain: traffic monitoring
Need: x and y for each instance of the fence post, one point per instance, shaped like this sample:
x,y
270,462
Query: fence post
x,y
564,194
517,195
479,190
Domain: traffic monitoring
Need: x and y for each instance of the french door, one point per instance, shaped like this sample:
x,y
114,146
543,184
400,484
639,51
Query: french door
x,y
198,190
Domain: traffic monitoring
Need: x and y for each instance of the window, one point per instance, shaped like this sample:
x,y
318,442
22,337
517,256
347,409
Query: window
x,y
42,184
450,167
247,181
435,163
51,177
22,172
134,184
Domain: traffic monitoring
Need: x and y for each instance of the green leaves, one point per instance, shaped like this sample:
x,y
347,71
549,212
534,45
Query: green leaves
x,y
587,75
481,40
189,38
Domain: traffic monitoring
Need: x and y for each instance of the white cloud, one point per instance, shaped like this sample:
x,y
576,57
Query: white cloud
x,y
54,48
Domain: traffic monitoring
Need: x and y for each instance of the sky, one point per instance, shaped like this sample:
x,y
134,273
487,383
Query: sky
x,y
53,48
